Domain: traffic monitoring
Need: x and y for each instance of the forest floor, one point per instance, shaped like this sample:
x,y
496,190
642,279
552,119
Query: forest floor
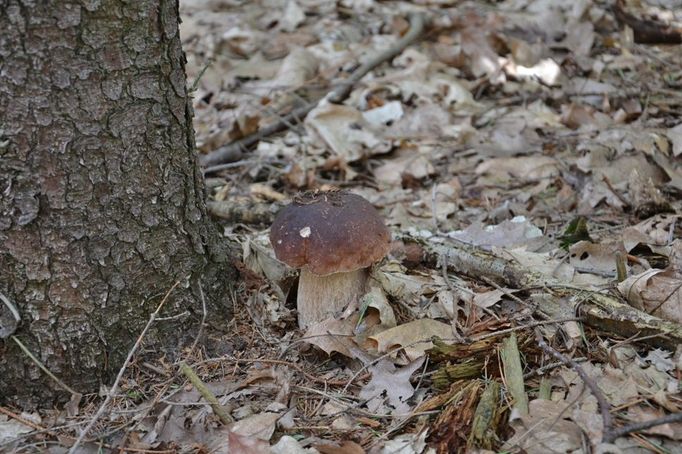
x,y
526,157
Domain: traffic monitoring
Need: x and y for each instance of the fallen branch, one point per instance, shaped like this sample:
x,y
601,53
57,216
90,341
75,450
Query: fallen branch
x,y
337,95
646,31
597,309
238,212
235,150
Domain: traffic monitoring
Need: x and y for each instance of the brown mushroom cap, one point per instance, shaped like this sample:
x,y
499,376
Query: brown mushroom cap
x,y
329,232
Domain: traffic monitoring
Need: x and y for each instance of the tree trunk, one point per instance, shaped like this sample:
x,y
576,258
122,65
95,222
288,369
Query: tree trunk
x,y
101,205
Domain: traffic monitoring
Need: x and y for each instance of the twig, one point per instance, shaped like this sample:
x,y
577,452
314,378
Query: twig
x,y
604,406
114,387
229,164
183,314
283,363
507,293
38,429
434,216
228,152
351,408
458,326
141,415
43,368
18,418
195,84
615,192
646,443
621,270
634,338
206,394
612,434
337,95
540,371
456,340
551,424
671,231
522,327
11,307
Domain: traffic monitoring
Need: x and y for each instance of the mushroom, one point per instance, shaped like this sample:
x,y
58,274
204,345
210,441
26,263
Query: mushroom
x,y
333,237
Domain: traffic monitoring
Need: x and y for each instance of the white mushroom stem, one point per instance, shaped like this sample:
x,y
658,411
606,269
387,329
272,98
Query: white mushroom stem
x,y
321,297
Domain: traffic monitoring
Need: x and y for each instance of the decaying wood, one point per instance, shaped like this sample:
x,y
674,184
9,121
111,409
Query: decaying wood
x,y
468,368
337,95
646,31
456,419
600,310
486,418
513,372
237,212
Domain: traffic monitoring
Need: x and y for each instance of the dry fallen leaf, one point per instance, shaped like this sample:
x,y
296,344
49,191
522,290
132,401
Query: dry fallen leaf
x,y
675,136
414,337
245,444
289,445
383,115
333,335
392,382
297,68
658,292
345,131
525,168
410,443
407,162
490,298
292,16
642,414
588,257
11,429
543,430
508,234
346,447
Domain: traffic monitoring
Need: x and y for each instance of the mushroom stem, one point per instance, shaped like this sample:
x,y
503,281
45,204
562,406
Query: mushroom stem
x,y
320,297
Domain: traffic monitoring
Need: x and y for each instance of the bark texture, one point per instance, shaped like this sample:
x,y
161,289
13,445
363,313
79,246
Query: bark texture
x,y
101,199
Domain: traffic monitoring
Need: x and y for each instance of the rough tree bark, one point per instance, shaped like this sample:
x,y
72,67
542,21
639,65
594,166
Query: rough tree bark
x,y
101,198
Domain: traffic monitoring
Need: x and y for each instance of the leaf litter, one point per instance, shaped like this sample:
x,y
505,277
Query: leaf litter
x,y
500,126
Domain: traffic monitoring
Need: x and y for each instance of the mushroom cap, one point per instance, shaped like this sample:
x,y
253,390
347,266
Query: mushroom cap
x,y
329,232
